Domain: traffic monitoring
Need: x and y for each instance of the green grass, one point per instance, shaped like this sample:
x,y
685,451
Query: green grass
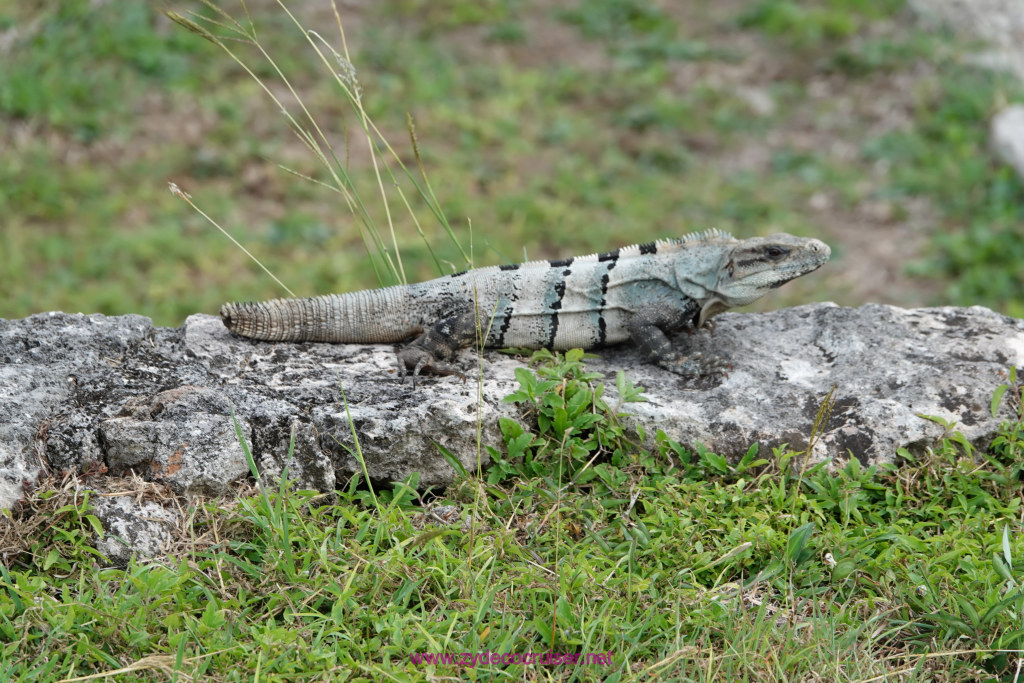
x,y
679,564
816,25
74,69
545,131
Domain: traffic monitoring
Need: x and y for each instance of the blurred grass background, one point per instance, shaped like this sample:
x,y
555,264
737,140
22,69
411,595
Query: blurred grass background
x,y
547,129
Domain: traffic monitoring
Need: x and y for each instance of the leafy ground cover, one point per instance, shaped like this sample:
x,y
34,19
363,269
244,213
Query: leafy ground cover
x,y
676,564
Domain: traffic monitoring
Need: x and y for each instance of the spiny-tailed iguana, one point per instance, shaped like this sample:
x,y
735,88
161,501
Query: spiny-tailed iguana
x,y
640,293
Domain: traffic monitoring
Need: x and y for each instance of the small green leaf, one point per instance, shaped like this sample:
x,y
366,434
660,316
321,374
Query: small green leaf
x,y
560,420
1002,569
967,610
585,421
517,446
543,627
750,459
769,572
1009,640
563,612
997,398
452,460
628,393
959,438
1006,546
844,568
213,616
798,543
96,525
578,401
9,584
245,447
51,558
955,623
716,462
999,607
946,424
510,429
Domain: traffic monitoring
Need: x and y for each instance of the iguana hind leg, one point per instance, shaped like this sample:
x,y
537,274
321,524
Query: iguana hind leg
x,y
441,343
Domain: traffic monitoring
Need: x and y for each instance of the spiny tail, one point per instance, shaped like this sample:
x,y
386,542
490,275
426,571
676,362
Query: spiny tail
x,y
371,316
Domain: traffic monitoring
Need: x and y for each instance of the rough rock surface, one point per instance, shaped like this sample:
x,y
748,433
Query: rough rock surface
x,y
890,366
132,527
118,395
999,22
1007,135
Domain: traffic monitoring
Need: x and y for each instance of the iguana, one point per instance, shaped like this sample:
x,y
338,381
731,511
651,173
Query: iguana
x,y
641,293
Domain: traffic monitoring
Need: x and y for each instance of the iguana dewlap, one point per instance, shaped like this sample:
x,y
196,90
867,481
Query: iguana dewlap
x,y
640,293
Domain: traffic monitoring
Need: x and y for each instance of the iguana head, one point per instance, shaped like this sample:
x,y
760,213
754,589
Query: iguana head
x,y
746,270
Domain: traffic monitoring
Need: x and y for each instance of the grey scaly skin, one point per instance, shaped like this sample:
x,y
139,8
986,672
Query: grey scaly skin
x,y
640,293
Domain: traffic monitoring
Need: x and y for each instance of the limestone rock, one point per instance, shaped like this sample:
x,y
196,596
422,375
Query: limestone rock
x,y
1008,137
890,367
184,437
120,395
1000,23
142,529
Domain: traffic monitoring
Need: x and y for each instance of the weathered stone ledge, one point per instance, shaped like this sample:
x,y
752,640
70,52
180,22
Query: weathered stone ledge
x,y
118,395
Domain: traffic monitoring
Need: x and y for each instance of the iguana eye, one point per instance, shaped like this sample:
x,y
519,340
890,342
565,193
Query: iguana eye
x,y
775,253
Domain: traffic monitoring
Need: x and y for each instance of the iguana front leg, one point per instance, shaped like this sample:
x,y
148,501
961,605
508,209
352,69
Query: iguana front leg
x,y
438,344
646,329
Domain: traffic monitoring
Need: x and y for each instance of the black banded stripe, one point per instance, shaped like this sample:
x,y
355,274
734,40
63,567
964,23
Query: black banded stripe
x,y
649,248
506,321
555,306
602,327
